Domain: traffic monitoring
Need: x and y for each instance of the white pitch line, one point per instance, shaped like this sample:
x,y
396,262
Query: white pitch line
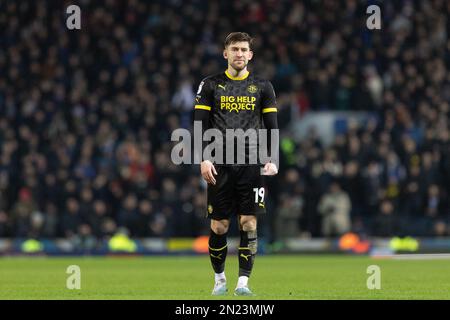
x,y
422,256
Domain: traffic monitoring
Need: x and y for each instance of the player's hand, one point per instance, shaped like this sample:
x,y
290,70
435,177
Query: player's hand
x,y
208,172
270,169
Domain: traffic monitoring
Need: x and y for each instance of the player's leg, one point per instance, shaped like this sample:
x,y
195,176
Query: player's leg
x,y
220,206
247,252
218,249
251,202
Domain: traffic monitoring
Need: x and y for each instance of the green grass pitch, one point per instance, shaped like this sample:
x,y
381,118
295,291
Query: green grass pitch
x,y
190,278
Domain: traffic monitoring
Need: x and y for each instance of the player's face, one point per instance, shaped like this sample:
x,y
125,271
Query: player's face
x,y
238,55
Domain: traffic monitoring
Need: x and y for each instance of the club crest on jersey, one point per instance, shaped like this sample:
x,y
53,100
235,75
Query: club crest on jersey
x,y
252,88
210,209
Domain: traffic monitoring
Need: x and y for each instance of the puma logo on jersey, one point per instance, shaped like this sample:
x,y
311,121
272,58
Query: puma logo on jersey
x,y
217,257
245,256
261,205
221,86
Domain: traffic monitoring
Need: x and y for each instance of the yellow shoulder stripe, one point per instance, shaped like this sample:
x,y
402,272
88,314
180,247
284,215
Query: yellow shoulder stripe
x,y
200,106
265,110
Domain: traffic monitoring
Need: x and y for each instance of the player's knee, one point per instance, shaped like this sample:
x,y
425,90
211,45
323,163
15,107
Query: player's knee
x,y
219,228
248,224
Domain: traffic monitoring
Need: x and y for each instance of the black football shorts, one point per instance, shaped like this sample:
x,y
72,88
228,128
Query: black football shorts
x,y
238,190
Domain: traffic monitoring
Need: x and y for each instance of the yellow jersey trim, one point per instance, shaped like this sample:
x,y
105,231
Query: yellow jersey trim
x,y
200,106
237,78
265,110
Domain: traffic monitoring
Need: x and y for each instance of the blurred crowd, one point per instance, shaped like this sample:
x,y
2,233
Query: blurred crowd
x,y
86,115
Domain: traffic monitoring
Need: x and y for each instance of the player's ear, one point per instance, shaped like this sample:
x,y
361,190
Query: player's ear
x,y
250,55
225,54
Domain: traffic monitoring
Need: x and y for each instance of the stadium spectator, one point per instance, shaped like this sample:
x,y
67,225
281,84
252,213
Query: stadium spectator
x,y
335,206
384,224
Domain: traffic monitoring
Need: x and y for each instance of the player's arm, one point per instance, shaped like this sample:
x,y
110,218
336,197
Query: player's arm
x,y
202,110
269,114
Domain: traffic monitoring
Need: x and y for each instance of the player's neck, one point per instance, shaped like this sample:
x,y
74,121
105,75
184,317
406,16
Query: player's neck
x,y
237,73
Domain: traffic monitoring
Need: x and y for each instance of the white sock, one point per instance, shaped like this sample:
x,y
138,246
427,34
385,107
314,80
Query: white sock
x,y
242,282
220,276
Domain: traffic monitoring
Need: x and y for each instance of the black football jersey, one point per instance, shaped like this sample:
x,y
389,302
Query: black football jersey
x,y
236,103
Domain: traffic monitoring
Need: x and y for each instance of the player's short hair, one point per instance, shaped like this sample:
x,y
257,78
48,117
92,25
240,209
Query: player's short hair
x,y
239,37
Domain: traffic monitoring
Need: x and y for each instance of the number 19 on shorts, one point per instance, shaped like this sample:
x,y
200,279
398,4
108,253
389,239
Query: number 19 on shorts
x,y
259,194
